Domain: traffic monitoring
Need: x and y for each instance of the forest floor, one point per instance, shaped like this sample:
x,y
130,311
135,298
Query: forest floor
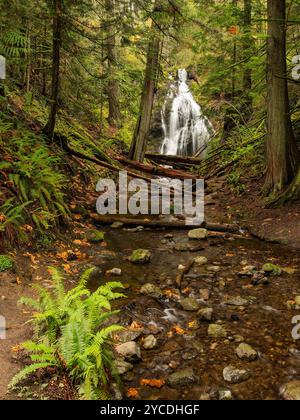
x,y
257,314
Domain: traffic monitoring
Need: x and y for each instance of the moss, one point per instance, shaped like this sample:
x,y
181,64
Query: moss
x,y
140,256
272,269
96,236
6,263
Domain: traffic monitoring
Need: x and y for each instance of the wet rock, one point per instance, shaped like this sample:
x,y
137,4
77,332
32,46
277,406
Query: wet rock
x,y
96,275
205,314
272,269
236,301
117,225
122,366
182,377
198,234
128,335
204,294
130,351
114,272
182,247
189,304
248,271
214,268
137,229
150,289
225,395
201,261
140,256
217,331
238,338
291,391
246,352
169,236
235,376
95,236
150,342
259,278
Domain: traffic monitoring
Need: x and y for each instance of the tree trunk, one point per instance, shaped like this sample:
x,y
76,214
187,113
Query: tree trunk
x,y
141,134
113,91
248,49
57,40
282,152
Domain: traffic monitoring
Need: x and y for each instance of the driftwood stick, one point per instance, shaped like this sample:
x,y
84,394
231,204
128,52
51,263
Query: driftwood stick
x,y
184,272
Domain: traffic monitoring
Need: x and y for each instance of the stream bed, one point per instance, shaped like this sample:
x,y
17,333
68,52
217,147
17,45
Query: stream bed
x,y
249,312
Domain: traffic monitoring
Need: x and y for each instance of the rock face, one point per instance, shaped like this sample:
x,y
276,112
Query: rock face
x,y
150,289
234,375
291,391
130,351
217,331
198,234
246,352
189,304
182,377
140,256
150,342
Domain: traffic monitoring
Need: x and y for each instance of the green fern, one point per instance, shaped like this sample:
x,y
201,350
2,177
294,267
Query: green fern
x,y
70,334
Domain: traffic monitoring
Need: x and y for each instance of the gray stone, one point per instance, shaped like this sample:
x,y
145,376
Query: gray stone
x,y
214,268
205,314
182,377
114,272
198,234
125,336
291,391
130,351
217,331
189,304
117,225
122,366
246,352
204,294
150,342
140,256
201,260
225,395
150,289
182,247
235,376
237,301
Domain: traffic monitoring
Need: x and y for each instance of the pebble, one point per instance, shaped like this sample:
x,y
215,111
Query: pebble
x,y
291,391
235,376
246,352
217,331
150,342
205,314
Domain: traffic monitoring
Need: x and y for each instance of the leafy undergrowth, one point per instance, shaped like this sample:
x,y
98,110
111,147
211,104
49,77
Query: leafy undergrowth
x,y
72,337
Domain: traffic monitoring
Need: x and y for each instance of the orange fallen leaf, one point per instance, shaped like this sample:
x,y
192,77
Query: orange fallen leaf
x,y
132,393
16,349
186,291
178,330
154,383
136,326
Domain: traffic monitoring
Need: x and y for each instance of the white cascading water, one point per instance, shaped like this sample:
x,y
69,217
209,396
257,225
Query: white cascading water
x,y
186,130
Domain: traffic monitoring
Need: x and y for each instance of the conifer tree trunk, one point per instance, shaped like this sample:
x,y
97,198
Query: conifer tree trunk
x,y
57,40
141,134
282,152
113,91
248,49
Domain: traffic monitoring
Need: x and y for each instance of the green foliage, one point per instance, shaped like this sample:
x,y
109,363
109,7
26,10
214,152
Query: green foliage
x,y
72,336
6,263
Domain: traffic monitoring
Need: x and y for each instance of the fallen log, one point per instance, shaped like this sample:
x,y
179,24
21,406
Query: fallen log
x,y
158,223
173,159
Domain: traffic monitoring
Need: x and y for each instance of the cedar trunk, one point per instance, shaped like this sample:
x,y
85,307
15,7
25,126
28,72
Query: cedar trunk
x,y
248,50
57,39
282,152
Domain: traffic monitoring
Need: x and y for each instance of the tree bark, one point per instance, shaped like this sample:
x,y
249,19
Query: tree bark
x,y
57,40
113,90
248,49
282,152
141,134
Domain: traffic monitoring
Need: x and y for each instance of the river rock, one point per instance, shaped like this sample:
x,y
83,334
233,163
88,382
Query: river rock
x,y
291,391
140,256
247,271
182,247
236,301
205,314
204,294
235,376
117,225
201,260
217,331
131,351
182,377
150,342
225,395
214,268
128,335
150,289
246,352
95,236
272,269
199,234
122,366
189,304
114,272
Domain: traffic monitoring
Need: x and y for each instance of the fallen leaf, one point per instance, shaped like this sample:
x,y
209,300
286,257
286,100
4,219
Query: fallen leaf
x,y
132,393
178,330
154,383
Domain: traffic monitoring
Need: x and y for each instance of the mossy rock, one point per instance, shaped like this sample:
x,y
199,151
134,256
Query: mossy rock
x,y
96,236
6,263
272,269
140,256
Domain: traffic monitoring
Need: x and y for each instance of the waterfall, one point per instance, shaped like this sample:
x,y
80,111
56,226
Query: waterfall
x,y
186,129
